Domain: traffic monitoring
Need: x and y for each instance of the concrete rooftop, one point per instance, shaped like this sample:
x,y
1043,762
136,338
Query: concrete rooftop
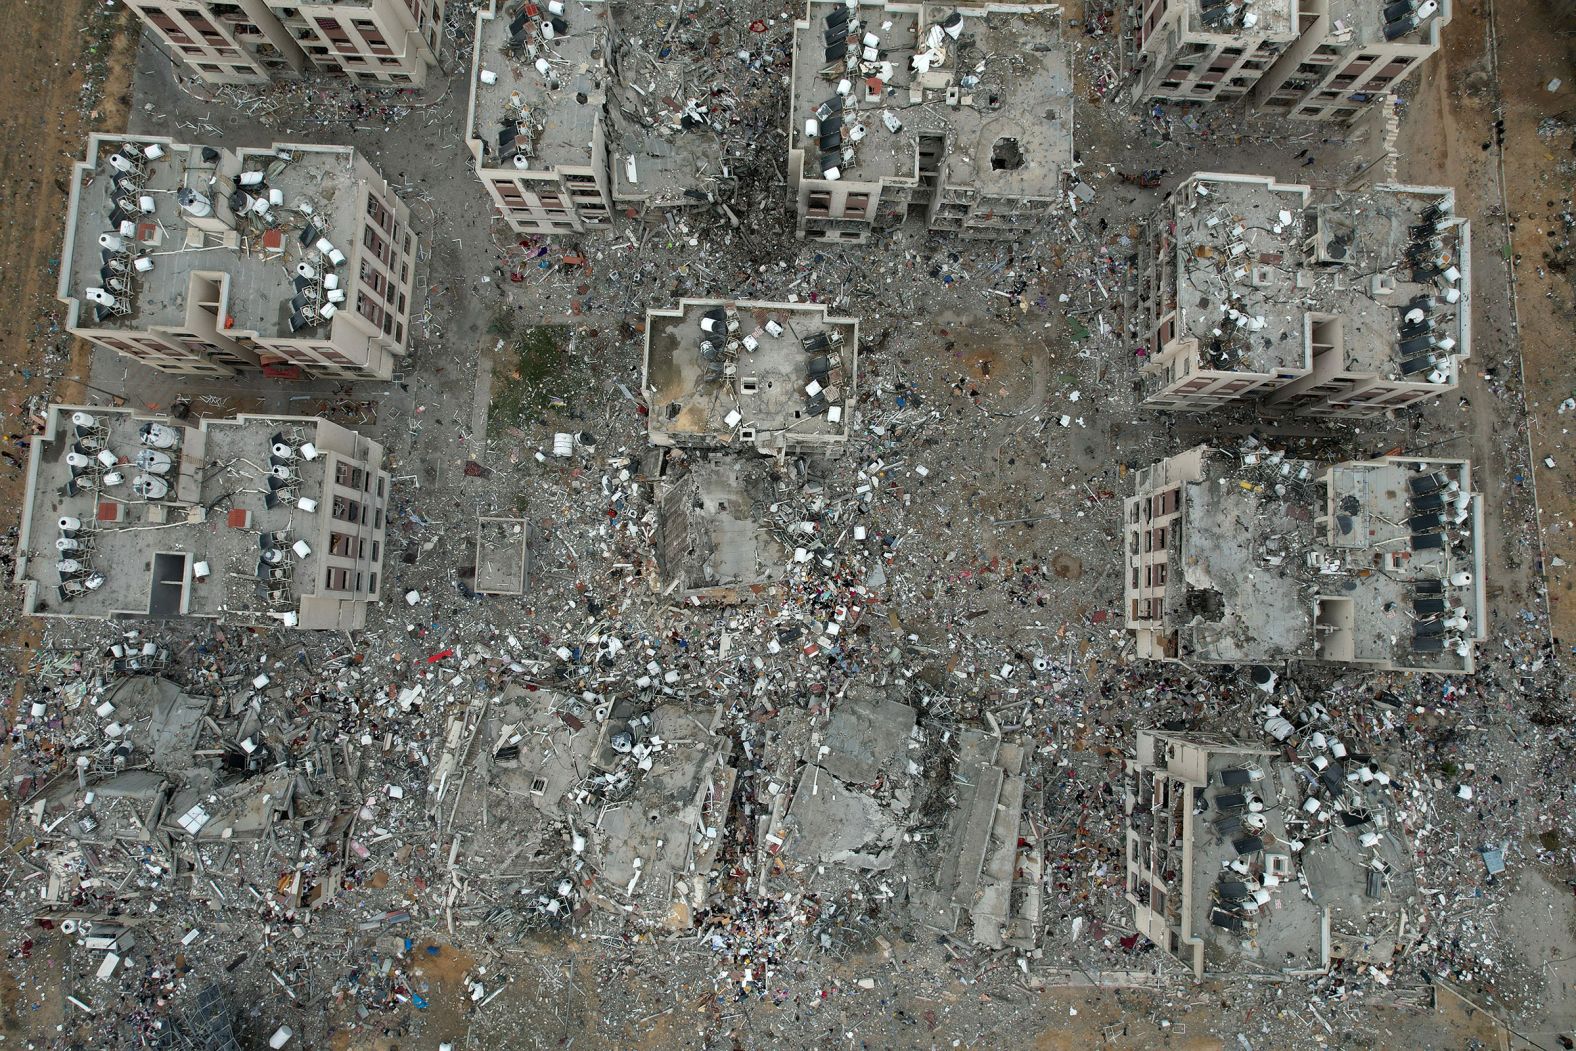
x,y
255,267
145,552
557,115
1355,23
1010,70
1230,18
500,555
756,396
1255,261
1255,540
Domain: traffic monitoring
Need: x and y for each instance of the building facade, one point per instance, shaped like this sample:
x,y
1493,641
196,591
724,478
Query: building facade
x,y
1165,869
1246,556
1348,56
253,520
1312,59
906,111
375,43
209,261
1201,50
1254,292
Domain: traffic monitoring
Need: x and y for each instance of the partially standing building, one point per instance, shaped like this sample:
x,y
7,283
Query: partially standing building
x,y
561,141
206,260
728,383
1247,556
1311,59
535,123
251,520
1236,852
374,43
1296,302
957,117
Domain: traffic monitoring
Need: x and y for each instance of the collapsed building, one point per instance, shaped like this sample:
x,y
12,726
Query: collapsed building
x,y
958,117
250,520
207,261
165,782
373,43
1241,857
619,804
724,381
1311,59
561,140
1329,304
1247,556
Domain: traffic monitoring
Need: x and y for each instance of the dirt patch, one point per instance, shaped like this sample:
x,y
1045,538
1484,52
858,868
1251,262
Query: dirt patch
x,y
528,372
58,55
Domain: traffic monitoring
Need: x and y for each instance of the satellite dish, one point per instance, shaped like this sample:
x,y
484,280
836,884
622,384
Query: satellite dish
x,y
150,487
159,436
153,461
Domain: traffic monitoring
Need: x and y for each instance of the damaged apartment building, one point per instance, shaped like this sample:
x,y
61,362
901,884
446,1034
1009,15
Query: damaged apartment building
x,y
372,43
252,520
1286,861
958,117
1317,60
209,261
734,389
1300,302
1247,556
567,125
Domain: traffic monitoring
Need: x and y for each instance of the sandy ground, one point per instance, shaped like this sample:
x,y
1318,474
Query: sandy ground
x,y
1497,63
1536,46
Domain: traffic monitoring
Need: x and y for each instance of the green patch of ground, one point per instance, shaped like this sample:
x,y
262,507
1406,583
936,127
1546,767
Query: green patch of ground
x,y
528,373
